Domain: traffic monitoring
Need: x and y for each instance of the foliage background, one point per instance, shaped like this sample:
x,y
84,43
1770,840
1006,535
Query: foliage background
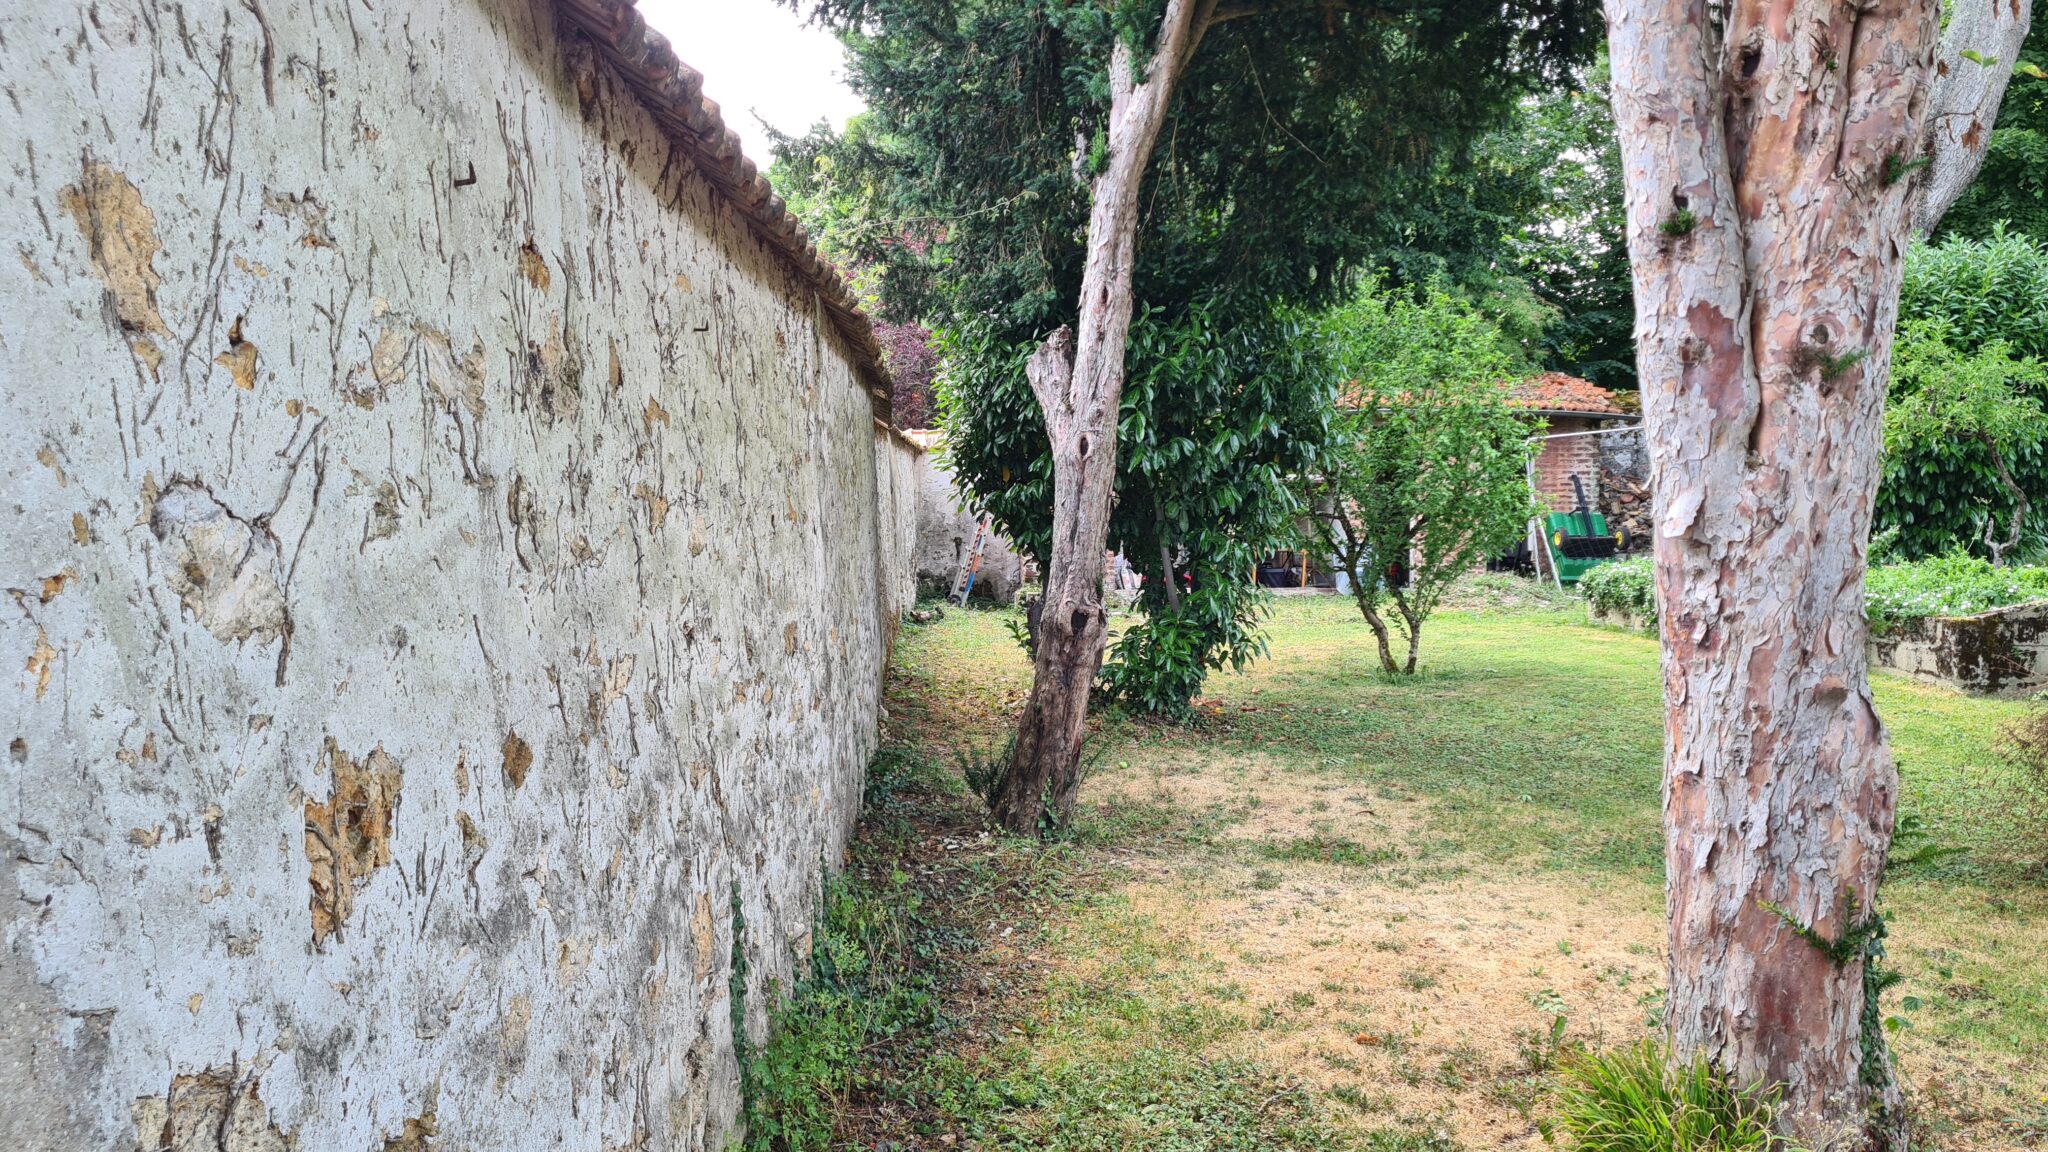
x,y
2012,187
1977,292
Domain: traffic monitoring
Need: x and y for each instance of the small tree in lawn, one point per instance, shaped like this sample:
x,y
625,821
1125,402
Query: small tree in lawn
x,y
1425,476
1941,398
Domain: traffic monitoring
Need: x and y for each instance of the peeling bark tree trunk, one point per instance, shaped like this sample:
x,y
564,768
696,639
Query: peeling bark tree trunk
x,y
1766,224
1079,386
1966,97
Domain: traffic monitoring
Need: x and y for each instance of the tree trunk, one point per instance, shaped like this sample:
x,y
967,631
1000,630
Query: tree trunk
x,y
1380,633
1414,637
1079,386
1965,99
2020,508
1766,226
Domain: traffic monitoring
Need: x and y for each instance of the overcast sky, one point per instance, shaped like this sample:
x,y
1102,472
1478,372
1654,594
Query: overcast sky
x,y
760,62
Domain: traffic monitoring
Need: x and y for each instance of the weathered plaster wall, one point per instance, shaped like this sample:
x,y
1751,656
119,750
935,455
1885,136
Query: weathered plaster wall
x,y
945,532
449,586
898,460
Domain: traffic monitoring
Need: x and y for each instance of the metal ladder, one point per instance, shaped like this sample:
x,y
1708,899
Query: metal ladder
x,y
970,567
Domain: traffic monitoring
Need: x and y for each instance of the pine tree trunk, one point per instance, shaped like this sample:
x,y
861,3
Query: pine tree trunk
x,y
1079,385
1766,228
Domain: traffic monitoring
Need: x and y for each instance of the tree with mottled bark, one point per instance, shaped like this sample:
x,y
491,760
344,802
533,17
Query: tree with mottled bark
x,y
1772,150
1980,48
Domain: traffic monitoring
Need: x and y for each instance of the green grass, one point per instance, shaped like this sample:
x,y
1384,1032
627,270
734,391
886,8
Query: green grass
x,y
1635,1100
1536,742
1537,737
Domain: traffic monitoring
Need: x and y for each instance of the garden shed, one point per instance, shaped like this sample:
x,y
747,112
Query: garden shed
x,y
1571,408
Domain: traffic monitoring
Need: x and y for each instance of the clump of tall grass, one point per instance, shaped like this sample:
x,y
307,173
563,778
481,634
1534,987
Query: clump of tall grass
x,y
1638,1099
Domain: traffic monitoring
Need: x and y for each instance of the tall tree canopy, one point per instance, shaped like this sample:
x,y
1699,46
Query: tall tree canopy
x,y
1528,222
1298,148
1074,163
1296,133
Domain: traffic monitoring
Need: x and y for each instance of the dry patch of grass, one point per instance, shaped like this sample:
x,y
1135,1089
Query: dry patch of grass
x,y
1404,987
1374,901
1252,798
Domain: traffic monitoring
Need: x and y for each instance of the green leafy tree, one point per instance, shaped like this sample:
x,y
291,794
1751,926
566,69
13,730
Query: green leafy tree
x,y
1217,412
836,183
1975,293
1425,474
1529,223
1076,163
1988,398
1573,247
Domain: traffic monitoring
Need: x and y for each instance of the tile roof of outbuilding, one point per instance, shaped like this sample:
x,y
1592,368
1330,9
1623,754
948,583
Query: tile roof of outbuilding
x,y
1561,393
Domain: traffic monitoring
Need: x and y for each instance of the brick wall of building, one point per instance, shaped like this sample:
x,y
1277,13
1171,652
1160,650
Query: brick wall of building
x,y
1562,459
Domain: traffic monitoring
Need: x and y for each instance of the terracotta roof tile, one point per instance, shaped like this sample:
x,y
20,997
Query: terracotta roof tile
x,y
673,92
1557,392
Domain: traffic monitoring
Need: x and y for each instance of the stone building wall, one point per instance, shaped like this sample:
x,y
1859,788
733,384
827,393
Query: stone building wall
x,y
945,531
898,461
450,569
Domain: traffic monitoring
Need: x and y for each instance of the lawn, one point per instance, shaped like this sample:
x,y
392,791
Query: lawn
x,y
1342,911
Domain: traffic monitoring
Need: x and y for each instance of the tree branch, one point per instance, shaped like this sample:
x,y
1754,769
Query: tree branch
x,y
2019,509
1963,106
1051,370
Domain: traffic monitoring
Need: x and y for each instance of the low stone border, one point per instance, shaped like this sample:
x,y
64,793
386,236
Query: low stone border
x,y
1617,618
2003,650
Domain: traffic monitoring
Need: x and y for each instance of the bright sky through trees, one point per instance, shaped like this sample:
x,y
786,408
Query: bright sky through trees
x,y
760,62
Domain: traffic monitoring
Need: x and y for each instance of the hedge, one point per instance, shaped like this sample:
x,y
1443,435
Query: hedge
x,y
1894,594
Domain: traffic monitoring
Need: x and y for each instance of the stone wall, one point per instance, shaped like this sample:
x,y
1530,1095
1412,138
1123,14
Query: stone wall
x,y
2003,650
451,566
898,462
945,531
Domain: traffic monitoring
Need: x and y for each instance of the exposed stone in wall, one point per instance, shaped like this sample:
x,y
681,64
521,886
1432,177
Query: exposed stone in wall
x,y
450,570
348,837
218,1110
2003,650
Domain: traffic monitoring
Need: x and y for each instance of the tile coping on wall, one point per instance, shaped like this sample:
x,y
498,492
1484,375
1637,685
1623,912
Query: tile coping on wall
x,y
673,92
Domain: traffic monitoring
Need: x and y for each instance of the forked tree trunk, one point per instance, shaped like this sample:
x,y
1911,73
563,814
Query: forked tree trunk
x,y
1767,220
1079,385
